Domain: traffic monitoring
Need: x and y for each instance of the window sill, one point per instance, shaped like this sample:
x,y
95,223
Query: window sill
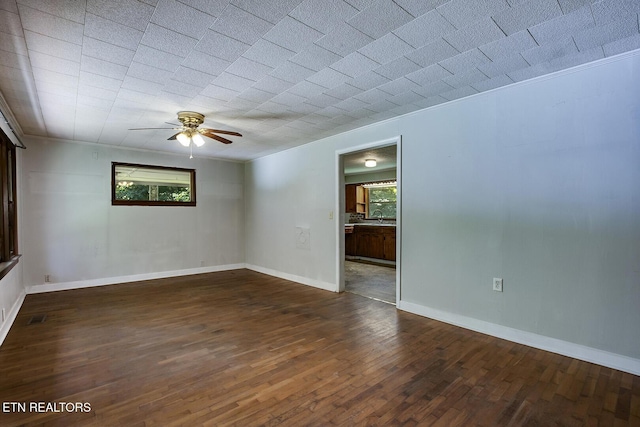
x,y
5,267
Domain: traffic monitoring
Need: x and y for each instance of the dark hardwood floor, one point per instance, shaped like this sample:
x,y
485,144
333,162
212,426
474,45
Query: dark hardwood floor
x,y
246,349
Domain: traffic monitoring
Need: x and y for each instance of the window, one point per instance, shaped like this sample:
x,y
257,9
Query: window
x,y
8,212
381,200
145,185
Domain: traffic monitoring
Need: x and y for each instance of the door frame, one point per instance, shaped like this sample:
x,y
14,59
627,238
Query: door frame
x,y
340,208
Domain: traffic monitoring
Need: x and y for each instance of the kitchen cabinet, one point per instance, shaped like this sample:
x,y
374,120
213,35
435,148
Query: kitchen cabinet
x,y
350,241
369,242
390,245
355,199
372,241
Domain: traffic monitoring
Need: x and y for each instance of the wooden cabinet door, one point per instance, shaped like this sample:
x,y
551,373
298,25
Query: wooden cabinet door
x,y
390,246
350,244
350,198
370,243
361,200
355,199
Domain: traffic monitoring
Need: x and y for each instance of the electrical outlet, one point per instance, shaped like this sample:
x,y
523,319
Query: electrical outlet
x,y
47,278
330,214
497,284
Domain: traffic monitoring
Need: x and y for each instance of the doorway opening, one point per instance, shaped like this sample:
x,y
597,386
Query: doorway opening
x,y
371,280
369,231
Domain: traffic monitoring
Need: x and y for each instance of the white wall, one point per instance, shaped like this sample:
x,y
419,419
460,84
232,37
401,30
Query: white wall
x,y
71,232
12,295
537,183
288,191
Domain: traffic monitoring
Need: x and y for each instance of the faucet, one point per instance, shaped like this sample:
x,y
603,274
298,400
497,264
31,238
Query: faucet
x,y
379,215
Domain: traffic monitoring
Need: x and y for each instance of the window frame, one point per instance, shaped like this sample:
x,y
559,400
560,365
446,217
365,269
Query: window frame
x,y
369,212
115,202
9,207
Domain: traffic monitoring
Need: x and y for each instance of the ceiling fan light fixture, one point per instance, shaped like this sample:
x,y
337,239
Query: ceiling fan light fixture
x,y
188,133
183,139
197,139
370,163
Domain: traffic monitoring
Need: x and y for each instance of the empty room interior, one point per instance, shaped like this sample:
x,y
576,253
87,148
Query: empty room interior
x,y
320,212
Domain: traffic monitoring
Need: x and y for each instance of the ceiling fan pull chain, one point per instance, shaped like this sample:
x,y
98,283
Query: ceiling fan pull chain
x,y
191,150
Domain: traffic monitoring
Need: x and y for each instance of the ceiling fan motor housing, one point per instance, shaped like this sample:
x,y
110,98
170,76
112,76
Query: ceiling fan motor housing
x,y
189,131
190,119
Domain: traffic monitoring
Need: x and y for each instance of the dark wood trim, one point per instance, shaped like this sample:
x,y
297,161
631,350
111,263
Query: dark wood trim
x,y
6,267
4,226
114,202
8,209
13,211
149,203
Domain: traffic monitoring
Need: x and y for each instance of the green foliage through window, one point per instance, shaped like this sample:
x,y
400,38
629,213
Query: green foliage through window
x,y
382,202
126,191
174,194
145,185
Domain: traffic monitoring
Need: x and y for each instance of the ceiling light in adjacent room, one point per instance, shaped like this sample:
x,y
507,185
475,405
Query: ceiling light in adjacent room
x,y
370,163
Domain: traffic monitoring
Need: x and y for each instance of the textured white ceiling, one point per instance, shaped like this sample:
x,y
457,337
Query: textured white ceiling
x,y
282,73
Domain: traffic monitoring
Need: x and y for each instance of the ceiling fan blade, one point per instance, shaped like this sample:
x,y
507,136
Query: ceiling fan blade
x,y
171,138
204,131
218,138
149,128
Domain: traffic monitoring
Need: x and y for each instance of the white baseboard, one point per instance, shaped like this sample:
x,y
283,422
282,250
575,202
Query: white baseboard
x,y
63,286
11,316
565,348
292,277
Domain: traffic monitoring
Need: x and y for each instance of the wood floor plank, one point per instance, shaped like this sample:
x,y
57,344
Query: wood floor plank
x,y
246,349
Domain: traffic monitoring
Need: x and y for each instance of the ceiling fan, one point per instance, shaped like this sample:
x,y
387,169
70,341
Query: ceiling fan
x,y
189,132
